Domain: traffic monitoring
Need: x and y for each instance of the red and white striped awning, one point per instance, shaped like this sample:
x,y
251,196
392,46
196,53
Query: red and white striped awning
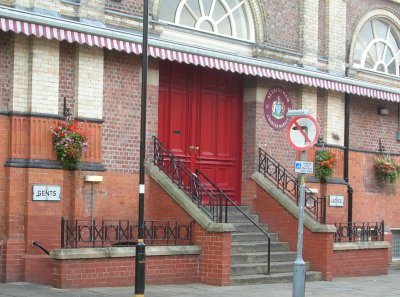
x,y
190,58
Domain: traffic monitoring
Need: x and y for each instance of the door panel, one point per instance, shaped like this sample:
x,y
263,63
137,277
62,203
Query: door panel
x,y
202,109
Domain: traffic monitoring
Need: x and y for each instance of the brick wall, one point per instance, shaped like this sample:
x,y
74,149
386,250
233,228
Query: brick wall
x,y
321,28
372,199
367,126
112,272
317,247
282,23
121,129
215,257
357,8
131,7
6,41
67,76
360,262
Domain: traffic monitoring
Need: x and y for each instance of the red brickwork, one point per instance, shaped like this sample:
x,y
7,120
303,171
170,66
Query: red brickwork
x,y
215,257
4,137
122,97
93,273
131,7
321,28
358,8
367,126
5,69
317,247
38,269
112,272
282,23
360,262
67,76
373,200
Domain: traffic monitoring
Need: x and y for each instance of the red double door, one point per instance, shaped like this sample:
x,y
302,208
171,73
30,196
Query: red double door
x,y
200,121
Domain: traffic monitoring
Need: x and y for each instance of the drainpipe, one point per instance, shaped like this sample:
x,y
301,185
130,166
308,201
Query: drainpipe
x,y
346,161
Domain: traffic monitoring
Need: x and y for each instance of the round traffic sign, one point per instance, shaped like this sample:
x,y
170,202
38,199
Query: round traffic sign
x,y
303,132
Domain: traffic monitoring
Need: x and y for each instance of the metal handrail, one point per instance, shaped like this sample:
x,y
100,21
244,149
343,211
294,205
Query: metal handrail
x,y
205,193
290,185
209,200
232,203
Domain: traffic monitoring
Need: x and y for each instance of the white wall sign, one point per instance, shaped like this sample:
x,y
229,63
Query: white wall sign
x,y
336,200
46,193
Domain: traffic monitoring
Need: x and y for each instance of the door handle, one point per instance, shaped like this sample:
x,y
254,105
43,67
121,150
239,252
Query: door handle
x,y
193,148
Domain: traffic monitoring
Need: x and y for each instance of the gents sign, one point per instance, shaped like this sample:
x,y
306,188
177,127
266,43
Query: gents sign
x,y
46,193
277,102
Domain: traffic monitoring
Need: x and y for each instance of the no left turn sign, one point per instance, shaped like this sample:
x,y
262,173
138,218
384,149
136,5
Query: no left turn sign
x,y
303,132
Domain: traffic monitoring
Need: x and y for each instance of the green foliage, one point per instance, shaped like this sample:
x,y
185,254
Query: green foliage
x,y
69,143
325,162
387,169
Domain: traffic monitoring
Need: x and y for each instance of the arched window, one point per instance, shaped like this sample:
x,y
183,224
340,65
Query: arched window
x,y
224,17
377,47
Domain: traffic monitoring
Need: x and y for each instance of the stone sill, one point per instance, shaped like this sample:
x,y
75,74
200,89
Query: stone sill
x,y
119,252
344,246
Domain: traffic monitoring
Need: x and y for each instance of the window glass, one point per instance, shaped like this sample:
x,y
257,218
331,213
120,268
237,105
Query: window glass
x,y
224,17
377,47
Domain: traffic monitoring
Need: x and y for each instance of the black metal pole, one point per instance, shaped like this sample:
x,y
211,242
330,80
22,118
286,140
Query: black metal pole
x,y
346,163
140,259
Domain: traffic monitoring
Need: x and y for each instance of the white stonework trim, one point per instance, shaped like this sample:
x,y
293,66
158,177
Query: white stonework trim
x,y
20,79
89,82
45,76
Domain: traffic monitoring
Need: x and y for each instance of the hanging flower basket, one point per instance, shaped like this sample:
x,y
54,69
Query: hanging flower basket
x,y
387,169
70,143
325,163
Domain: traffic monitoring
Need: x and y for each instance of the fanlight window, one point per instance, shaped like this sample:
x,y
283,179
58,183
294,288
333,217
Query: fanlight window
x,y
377,47
224,17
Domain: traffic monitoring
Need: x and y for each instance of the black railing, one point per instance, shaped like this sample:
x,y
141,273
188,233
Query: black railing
x,y
290,185
365,232
195,184
199,188
87,233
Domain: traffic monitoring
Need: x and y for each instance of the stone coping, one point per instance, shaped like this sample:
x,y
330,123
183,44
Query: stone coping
x,y
290,205
119,252
345,246
182,199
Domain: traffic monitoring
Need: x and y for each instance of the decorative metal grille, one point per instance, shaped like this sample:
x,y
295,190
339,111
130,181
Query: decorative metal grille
x,y
290,185
87,233
365,231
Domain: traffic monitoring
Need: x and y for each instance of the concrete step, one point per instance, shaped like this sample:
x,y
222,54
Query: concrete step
x,y
253,236
233,210
262,257
240,218
258,246
286,277
249,227
262,268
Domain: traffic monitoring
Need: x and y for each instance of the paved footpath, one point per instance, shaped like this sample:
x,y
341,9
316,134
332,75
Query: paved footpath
x,y
370,286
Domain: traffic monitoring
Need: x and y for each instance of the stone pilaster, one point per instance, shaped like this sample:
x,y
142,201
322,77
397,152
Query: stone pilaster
x,y
20,79
309,32
336,35
334,118
45,76
89,82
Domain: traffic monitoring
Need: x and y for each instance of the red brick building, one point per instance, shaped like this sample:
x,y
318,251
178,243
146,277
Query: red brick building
x,y
221,77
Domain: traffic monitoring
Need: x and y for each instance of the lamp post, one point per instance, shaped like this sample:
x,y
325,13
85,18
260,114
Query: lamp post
x,y
140,259
299,271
